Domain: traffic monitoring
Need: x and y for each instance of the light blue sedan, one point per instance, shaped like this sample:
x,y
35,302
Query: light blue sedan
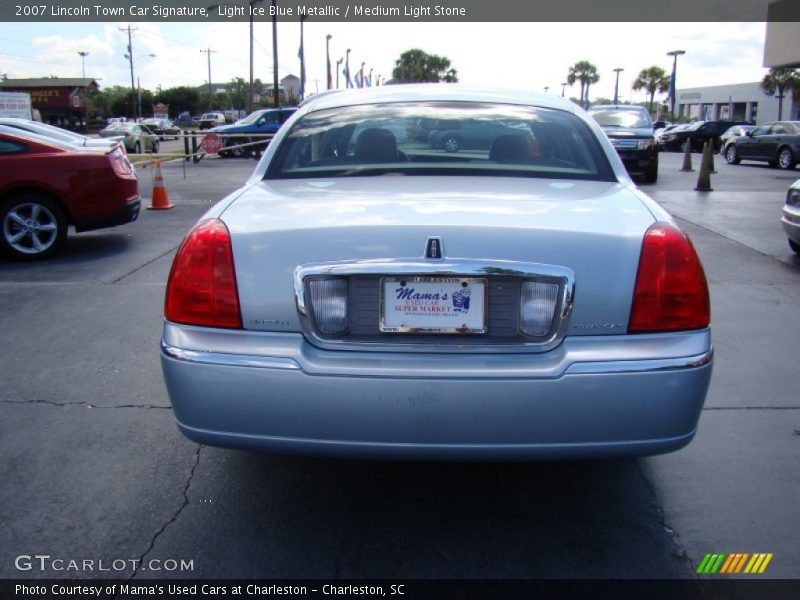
x,y
366,294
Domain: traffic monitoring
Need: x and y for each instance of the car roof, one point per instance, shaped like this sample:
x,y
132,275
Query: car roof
x,y
25,135
436,92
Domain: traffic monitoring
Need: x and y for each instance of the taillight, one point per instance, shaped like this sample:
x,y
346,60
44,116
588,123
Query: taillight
x,y
119,163
201,289
671,291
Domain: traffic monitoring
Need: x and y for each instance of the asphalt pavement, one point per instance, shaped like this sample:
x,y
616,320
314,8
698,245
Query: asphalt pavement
x,y
93,466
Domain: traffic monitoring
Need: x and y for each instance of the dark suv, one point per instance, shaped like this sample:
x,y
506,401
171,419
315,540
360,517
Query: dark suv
x,y
699,132
631,133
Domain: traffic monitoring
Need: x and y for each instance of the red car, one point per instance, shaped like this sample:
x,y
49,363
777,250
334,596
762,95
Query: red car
x,y
47,185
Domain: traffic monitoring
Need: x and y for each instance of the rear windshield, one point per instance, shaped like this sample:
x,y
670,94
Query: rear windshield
x,y
440,138
634,119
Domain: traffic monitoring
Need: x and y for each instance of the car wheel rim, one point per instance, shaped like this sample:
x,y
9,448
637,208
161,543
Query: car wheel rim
x,y
731,154
30,228
451,145
784,160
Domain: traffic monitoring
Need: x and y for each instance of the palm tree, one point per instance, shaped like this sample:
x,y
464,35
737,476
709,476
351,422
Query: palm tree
x,y
586,73
653,79
781,80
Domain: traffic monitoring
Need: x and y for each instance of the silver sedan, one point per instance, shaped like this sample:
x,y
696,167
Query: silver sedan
x,y
366,294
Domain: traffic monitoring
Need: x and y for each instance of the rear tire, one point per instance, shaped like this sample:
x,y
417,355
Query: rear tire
x,y
33,226
137,148
155,147
786,159
450,144
732,155
794,246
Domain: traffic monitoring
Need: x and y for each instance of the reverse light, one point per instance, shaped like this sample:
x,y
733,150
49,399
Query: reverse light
x,y
538,302
201,289
329,303
671,292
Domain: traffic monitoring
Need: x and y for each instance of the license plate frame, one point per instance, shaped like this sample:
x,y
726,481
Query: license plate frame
x,y
420,314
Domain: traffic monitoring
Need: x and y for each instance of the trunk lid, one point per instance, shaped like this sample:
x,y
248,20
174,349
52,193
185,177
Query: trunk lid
x,y
594,228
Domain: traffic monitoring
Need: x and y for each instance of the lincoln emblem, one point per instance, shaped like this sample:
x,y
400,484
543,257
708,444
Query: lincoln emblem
x,y
433,248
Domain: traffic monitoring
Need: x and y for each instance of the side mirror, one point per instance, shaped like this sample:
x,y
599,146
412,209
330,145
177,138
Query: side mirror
x,y
748,134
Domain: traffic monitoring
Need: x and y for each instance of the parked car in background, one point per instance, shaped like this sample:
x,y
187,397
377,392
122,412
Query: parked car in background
x,y
472,134
211,119
136,137
396,301
163,128
736,131
699,132
791,216
63,135
184,119
258,123
47,185
660,133
777,144
630,131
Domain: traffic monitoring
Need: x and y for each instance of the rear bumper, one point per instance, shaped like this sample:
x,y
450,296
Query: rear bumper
x,y
791,223
591,397
128,213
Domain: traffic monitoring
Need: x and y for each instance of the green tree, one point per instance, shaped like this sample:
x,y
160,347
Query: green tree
x,y
586,73
179,99
781,80
236,90
652,79
418,66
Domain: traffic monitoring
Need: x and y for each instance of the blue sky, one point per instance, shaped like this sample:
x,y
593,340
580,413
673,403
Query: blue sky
x,y
522,55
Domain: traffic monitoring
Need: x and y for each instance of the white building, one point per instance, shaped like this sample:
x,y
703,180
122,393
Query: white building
x,y
738,102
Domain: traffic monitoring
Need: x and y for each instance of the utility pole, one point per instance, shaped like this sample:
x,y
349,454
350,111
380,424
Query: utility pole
x,y
250,101
209,52
563,87
275,97
83,54
130,59
302,60
616,85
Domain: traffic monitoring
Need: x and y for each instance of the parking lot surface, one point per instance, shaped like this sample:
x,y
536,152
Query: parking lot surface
x,y
95,468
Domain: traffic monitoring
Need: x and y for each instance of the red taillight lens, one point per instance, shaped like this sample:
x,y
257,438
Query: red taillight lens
x,y
671,291
201,289
120,163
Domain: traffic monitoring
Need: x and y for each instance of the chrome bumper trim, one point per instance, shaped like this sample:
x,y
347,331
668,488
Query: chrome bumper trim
x,y
576,368
642,366
228,360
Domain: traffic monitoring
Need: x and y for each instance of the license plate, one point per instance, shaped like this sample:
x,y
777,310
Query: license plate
x,y
433,305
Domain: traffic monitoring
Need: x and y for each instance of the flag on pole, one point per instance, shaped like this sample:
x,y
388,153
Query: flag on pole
x,y
671,93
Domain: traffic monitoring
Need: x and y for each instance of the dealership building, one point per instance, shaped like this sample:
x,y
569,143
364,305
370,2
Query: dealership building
x,y
60,101
738,102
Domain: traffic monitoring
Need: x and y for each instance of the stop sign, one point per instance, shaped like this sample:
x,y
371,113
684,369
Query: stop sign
x,y
211,143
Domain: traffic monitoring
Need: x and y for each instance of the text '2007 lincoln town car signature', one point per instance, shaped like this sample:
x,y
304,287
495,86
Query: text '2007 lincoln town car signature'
x,y
368,293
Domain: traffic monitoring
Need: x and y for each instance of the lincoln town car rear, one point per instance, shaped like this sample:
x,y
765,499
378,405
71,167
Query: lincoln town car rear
x,y
369,294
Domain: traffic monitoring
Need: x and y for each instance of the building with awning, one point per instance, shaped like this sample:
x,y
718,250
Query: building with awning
x,y
59,100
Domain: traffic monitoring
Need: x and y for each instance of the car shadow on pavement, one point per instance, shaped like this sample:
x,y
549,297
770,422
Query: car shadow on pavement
x,y
303,517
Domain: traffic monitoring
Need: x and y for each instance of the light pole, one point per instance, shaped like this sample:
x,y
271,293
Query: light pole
x,y
348,83
137,94
275,99
209,52
338,62
618,70
83,54
547,87
674,54
302,60
250,100
328,59
563,87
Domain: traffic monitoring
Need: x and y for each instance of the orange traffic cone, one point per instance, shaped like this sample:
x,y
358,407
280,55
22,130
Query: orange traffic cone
x,y
160,200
